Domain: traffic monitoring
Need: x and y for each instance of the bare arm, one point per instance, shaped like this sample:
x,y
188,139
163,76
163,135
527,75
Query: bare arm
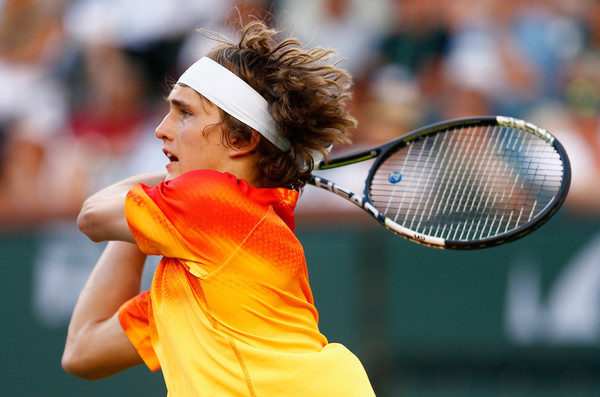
x,y
102,216
96,345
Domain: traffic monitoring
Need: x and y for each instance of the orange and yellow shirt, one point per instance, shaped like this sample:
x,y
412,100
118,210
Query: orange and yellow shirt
x,y
230,311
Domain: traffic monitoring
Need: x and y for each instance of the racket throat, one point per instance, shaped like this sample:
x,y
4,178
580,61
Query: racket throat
x,y
340,191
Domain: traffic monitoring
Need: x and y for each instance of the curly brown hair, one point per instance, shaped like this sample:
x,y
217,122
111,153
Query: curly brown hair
x,y
306,98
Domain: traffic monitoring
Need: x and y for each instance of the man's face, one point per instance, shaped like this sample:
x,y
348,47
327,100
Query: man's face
x,y
191,134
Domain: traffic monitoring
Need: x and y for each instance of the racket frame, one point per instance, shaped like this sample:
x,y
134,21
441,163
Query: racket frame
x,y
382,152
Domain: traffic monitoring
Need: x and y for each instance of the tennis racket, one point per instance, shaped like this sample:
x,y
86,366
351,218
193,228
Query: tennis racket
x,y
461,184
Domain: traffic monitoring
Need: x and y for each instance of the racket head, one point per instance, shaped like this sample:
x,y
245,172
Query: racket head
x,y
469,183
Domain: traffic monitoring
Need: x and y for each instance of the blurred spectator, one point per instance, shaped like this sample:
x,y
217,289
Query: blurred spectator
x,y
418,37
350,27
83,80
77,80
583,100
138,24
482,61
392,105
575,121
225,23
33,106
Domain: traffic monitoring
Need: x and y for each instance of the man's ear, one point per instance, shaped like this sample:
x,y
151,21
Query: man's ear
x,y
245,149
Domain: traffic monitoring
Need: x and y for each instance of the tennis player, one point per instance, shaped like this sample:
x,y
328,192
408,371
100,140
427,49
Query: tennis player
x,y
230,310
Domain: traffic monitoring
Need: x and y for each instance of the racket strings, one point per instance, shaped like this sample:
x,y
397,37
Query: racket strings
x,y
468,183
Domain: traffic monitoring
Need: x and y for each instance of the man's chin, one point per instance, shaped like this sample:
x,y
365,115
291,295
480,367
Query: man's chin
x,y
172,171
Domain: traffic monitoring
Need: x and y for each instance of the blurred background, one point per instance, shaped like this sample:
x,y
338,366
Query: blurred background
x,y
82,84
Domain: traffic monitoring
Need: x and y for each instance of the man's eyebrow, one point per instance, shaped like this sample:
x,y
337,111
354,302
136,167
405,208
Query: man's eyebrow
x,y
178,103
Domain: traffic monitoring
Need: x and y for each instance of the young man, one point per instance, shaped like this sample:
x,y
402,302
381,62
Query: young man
x,y
230,310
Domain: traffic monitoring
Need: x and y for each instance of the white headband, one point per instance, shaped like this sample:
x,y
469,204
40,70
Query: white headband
x,y
235,97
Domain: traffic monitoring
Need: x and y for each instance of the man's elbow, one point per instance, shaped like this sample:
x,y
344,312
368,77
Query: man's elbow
x,y
76,365
87,222
101,224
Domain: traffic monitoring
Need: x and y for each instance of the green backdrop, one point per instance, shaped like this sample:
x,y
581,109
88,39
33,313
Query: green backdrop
x,y
515,320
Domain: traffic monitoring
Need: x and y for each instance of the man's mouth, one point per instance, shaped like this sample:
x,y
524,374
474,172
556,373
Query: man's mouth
x,y
172,158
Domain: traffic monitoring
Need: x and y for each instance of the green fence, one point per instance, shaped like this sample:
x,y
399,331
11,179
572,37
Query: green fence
x,y
516,320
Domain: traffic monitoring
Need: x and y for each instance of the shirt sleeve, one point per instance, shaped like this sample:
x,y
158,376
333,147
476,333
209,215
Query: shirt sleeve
x,y
133,316
201,218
